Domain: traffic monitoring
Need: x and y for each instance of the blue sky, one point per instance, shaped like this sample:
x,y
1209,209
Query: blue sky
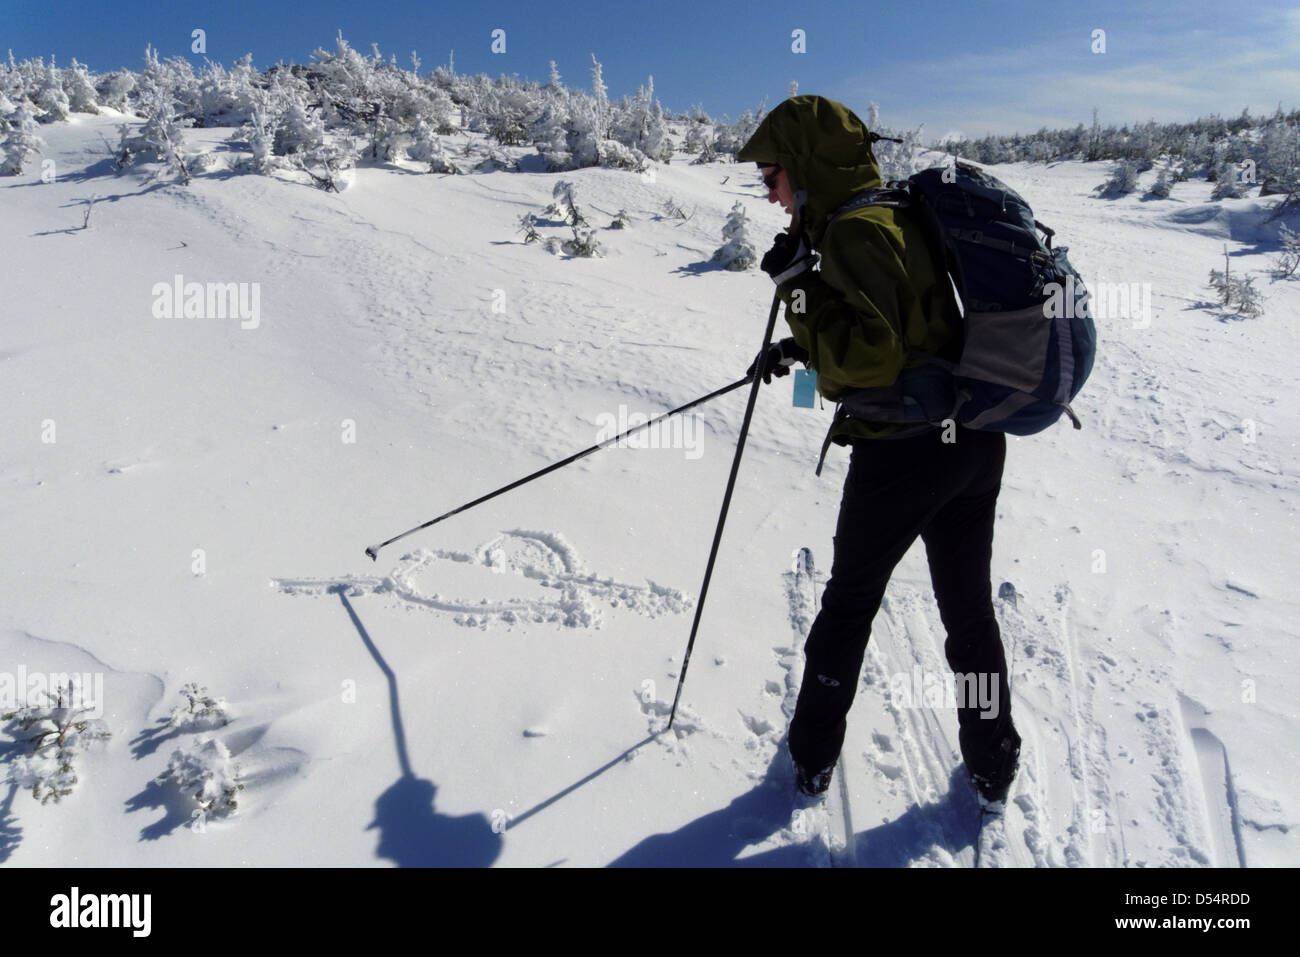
x,y
973,67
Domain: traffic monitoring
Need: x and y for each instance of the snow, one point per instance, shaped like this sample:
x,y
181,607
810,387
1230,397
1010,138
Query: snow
x,y
487,692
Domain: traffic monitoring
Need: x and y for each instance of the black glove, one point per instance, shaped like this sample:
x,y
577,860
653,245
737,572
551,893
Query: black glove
x,y
788,257
779,358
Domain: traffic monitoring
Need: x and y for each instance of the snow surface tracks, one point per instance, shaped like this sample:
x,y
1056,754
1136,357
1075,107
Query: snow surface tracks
x,y
575,599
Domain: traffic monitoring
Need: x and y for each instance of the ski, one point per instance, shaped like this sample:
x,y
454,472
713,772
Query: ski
x,y
827,819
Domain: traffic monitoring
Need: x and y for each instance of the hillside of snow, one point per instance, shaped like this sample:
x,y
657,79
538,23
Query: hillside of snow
x,y
188,500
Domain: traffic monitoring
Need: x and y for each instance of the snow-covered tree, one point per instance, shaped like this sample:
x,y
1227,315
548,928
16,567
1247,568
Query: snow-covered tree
x,y
114,89
1287,263
49,96
1227,182
50,736
584,243
261,137
738,251
565,195
1236,292
20,141
1164,184
426,147
206,772
1123,180
550,135
80,91
162,135
201,711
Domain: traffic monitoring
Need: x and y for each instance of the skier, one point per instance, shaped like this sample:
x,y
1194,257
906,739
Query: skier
x,y
876,296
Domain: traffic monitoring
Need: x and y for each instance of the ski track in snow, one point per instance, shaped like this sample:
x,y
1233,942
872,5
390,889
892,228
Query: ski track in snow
x,y
543,558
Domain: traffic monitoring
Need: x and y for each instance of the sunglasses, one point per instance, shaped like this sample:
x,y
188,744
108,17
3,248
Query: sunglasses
x,y
769,181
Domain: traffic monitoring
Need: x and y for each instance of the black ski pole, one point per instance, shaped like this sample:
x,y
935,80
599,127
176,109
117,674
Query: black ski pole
x,y
373,550
759,369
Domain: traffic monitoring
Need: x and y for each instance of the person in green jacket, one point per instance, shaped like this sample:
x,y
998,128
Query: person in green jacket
x,y
863,298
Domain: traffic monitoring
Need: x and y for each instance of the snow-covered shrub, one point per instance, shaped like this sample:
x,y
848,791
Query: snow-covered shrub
x,y
1287,263
620,220
897,161
328,164
673,210
738,252
297,131
566,203
261,140
584,243
206,772
1236,292
426,147
1164,184
612,154
56,732
528,226
114,89
201,711
495,159
20,141
1123,180
161,135
1227,182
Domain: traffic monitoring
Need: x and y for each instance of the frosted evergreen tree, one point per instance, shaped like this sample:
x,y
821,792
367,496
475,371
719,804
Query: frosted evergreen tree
x,y
600,98
1280,159
80,91
206,772
1123,180
550,135
699,132
57,732
114,89
1164,184
554,84
584,243
20,142
297,131
1287,263
1236,292
1227,182
426,147
161,134
261,139
738,253
566,203
50,97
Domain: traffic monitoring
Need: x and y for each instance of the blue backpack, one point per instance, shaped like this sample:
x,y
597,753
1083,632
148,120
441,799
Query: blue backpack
x,y
1028,339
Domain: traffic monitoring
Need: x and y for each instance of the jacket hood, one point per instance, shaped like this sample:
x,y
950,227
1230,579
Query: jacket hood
x,y
824,149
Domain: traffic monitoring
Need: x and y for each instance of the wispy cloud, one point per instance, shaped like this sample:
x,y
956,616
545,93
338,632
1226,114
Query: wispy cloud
x,y
1145,74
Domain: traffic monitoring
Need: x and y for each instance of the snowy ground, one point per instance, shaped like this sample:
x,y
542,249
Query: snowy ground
x,y
487,692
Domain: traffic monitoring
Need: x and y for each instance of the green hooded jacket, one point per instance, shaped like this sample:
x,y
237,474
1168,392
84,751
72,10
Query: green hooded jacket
x,y
876,295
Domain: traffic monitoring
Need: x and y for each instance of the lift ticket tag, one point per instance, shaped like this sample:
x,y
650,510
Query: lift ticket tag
x,y
805,388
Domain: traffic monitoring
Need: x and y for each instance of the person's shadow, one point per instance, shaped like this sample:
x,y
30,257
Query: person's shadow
x,y
411,832
719,837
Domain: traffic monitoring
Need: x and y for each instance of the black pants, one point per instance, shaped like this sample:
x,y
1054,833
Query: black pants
x,y
898,489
